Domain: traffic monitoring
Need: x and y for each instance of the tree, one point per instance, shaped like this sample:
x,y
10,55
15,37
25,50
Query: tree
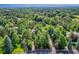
x,y
27,34
46,20
41,41
62,42
55,35
2,31
1,41
21,29
29,44
38,18
1,44
15,39
77,46
69,44
49,29
8,47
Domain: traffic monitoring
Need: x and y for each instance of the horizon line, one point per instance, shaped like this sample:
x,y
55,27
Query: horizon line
x,y
38,5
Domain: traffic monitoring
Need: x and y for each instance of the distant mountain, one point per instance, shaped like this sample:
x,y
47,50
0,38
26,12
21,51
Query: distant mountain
x,y
38,5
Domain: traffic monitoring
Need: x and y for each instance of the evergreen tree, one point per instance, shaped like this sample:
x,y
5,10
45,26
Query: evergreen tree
x,y
69,44
8,47
15,39
77,46
62,42
41,41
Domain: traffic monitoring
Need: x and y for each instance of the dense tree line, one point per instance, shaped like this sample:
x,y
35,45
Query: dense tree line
x,y
35,26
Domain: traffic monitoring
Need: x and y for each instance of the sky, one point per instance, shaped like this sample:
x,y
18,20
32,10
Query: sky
x,y
38,5
39,1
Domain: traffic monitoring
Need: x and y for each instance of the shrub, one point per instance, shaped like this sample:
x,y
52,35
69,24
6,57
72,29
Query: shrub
x,y
18,50
1,44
